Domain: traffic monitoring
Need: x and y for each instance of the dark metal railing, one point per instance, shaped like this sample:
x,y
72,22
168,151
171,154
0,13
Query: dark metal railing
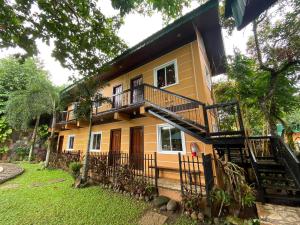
x,y
109,164
288,158
184,108
196,174
226,119
66,116
121,100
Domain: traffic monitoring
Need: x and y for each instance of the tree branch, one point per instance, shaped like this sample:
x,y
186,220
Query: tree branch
x,y
287,65
258,51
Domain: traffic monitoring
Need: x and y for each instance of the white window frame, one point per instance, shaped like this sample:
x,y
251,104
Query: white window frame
x,y
159,148
208,78
68,142
92,139
174,61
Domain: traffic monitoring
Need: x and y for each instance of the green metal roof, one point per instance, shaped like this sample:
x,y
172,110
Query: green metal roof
x,y
245,11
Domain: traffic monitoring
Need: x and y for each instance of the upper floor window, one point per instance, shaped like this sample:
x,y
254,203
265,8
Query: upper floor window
x,y
166,75
208,78
96,141
170,139
70,143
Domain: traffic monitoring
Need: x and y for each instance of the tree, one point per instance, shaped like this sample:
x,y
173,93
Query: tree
x,y
83,37
14,76
29,104
87,92
54,96
248,84
275,46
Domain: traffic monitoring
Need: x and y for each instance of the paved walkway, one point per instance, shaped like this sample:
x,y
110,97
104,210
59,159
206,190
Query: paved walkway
x,y
9,171
270,214
153,218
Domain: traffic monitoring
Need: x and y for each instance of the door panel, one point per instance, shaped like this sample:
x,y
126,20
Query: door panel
x,y
137,147
115,147
136,89
60,144
115,141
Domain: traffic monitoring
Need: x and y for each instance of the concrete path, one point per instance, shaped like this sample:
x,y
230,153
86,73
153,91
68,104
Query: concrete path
x,y
270,214
153,218
9,171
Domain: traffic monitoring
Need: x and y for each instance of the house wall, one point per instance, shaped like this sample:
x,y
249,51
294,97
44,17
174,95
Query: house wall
x,y
191,62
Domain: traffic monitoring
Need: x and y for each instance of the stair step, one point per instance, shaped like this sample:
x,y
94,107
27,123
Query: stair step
x,y
279,187
275,171
284,198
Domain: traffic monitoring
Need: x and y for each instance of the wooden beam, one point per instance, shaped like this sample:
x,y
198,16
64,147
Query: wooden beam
x,y
71,126
142,110
82,123
121,116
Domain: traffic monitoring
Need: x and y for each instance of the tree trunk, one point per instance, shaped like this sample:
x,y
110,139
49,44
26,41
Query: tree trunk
x,y
50,144
37,122
87,153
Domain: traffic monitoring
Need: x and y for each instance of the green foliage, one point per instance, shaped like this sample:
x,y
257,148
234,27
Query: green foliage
x,y
75,168
248,84
14,76
43,132
21,151
5,132
31,102
97,206
82,36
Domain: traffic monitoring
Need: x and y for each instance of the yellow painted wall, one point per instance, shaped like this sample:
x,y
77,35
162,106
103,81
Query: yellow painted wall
x,y
191,61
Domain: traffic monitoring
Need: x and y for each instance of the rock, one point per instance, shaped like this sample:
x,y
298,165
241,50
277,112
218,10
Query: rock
x,y
194,216
187,213
160,200
172,205
200,216
216,221
137,196
147,199
163,208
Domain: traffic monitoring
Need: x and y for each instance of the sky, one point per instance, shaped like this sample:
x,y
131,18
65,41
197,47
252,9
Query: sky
x,y
136,28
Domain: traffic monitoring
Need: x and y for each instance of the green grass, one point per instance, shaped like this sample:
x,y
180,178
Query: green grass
x,y
59,203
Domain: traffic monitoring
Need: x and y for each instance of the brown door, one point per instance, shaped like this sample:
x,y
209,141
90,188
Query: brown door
x,y
136,89
137,147
115,147
117,96
60,144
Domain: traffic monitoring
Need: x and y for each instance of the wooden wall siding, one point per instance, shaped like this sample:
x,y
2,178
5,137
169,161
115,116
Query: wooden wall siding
x,y
150,140
192,83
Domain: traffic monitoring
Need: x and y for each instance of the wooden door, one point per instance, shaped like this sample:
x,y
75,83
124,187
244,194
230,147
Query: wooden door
x,y
115,147
137,147
136,89
117,96
115,141
60,144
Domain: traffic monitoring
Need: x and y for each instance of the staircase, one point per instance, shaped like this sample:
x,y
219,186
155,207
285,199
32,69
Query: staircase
x,y
276,169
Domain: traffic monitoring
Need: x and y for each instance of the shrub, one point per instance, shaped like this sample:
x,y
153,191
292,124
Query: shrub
x,y
21,150
75,168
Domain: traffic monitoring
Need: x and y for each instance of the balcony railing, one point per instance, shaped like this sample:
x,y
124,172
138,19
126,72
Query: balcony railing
x,y
66,116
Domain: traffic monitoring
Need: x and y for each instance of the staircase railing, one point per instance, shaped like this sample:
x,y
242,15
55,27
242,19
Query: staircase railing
x,y
187,109
226,119
288,158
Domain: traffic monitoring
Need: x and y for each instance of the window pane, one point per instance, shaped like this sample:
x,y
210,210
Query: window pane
x,y
71,142
171,74
161,81
176,139
97,143
165,138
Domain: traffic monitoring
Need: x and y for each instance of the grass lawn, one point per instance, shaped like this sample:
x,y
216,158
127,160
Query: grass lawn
x,y
37,198
45,197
